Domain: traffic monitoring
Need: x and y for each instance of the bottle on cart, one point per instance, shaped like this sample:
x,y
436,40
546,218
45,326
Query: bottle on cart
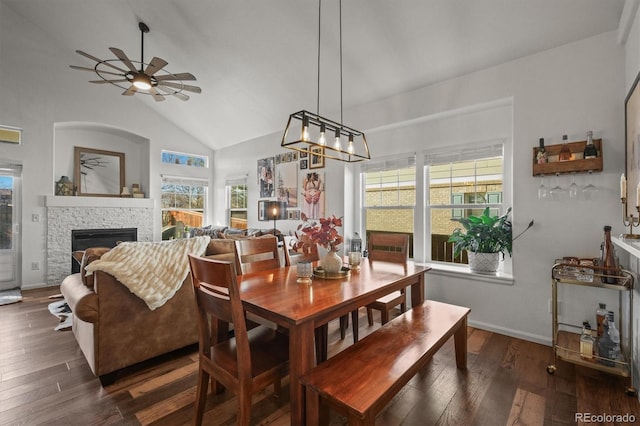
x,y
605,344
590,150
586,342
609,264
601,314
614,336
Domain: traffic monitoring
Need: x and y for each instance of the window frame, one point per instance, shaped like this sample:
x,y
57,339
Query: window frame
x,y
422,225
229,184
185,181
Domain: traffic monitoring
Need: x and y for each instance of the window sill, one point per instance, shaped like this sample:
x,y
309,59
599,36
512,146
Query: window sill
x,y
464,272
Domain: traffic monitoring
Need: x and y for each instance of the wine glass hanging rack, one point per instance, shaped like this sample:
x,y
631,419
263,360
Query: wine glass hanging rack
x,y
578,165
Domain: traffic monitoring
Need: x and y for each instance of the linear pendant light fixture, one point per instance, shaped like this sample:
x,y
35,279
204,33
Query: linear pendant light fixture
x,y
323,137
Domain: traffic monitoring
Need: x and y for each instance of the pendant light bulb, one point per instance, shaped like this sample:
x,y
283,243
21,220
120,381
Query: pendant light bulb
x,y
322,140
336,144
305,129
350,148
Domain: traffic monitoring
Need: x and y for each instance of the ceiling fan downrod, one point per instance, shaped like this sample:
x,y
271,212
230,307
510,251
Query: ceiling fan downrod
x,y
143,29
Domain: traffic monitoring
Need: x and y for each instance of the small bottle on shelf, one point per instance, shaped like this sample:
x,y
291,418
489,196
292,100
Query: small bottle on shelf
x,y
586,342
614,336
590,149
609,343
601,314
565,152
541,156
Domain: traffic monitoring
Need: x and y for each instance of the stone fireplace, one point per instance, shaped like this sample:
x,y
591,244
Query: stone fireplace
x,y
67,214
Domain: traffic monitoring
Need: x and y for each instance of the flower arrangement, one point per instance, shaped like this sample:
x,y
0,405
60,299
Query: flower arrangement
x,y
323,232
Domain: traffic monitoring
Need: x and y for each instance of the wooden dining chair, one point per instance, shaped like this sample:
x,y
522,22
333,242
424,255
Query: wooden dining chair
x,y
244,364
258,254
387,247
294,255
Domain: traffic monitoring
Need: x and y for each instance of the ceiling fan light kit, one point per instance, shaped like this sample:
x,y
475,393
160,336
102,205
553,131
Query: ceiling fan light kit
x,y
148,78
312,138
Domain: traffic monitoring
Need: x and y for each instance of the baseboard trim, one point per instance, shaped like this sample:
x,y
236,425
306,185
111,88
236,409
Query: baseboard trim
x,y
536,338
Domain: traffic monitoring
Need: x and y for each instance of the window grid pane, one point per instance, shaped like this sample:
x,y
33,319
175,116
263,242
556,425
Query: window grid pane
x,y
454,188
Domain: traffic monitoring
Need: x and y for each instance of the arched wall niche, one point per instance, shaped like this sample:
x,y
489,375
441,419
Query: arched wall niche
x,y
68,135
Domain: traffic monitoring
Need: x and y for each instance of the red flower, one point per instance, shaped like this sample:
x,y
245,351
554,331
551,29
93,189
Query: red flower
x,y
323,232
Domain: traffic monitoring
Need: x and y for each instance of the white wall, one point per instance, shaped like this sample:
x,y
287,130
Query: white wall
x,y
38,91
570,89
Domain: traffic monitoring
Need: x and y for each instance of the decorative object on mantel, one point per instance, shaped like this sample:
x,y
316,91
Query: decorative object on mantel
x,y
629,220
153,80
64,186
99,173
313,128
324,233
125,192
484,238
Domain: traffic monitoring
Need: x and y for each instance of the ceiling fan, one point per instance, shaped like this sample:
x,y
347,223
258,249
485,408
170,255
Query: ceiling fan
x,y
153,80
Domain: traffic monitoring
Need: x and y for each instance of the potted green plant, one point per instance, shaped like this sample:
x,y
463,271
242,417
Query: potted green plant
x,y
484,238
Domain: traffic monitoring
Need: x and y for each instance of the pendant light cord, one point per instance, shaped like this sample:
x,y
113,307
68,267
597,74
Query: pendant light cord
x,y
318,97
341,119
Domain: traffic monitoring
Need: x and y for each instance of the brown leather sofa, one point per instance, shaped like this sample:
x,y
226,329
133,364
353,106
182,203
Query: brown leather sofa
x,y
115,328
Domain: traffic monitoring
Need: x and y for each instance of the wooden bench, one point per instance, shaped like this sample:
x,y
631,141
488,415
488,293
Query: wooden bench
x,y
359,381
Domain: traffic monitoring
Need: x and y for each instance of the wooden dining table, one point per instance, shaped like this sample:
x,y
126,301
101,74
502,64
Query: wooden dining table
x,y
302,308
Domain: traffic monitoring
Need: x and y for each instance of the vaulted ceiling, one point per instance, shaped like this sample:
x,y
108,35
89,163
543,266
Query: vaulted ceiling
x,y
256,60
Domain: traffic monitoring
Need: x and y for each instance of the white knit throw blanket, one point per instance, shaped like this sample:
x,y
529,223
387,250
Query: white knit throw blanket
x,y
152,271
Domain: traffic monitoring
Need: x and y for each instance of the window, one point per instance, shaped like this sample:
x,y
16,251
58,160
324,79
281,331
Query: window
x,y
191,160
457,183
237,203
460,184
390,197
183,204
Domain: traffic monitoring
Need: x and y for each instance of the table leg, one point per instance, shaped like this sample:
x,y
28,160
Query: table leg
x,y
417,291
460,343
301,360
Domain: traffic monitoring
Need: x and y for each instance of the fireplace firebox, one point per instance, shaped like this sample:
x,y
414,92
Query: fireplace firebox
x,y
82,239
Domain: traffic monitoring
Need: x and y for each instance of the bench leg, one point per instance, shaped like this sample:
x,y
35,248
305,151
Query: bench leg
x,y
313,407
460,341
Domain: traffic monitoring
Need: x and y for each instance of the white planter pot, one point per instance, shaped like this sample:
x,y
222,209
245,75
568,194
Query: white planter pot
x,y
483,263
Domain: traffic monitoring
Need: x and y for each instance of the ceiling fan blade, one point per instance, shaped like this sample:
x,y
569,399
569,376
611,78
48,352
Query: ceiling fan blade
x,y
180,76
108,81
155,65
181,96
130,91
86,55
124,58
194,89
157,96
75,67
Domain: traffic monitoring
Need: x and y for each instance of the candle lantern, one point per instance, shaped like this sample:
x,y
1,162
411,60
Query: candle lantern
x,y
356,243
64,186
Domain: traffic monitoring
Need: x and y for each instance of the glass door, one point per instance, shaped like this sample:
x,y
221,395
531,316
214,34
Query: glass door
x,y
10,200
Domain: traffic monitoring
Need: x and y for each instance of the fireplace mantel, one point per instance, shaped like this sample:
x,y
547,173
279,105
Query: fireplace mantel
x,y
62,201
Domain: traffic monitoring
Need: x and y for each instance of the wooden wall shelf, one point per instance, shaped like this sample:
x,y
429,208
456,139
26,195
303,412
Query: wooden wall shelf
x,y
579,165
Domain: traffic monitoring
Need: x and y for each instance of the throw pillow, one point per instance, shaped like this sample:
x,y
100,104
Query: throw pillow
x,y
90,254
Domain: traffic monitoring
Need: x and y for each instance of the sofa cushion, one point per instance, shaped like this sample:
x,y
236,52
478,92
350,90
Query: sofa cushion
x,y
217,232
90,254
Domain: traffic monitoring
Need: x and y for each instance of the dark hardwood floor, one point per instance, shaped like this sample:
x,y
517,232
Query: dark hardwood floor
x,y
44,379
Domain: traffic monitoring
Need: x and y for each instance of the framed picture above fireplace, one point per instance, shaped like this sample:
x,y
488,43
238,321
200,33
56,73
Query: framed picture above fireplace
x,y
98,173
